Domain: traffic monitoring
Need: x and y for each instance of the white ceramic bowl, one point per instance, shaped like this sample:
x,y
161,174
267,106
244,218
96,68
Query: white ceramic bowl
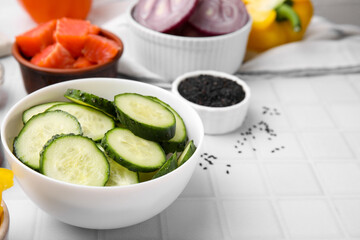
x,y
101,207
170,56
218,120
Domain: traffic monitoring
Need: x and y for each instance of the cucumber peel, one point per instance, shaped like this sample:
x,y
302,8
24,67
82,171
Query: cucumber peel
x,y
91,100
169,166
187,153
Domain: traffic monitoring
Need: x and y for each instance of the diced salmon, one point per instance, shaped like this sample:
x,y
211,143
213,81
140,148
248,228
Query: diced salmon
x,y
82,62
71,33
36,39
54,56
99,49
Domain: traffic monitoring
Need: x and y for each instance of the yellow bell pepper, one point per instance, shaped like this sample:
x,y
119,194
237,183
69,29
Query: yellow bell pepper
x,y
6,181
276,22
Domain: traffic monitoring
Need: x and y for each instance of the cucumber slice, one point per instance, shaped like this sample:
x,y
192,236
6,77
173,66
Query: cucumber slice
x,y
169,165
178,142
74,159
94,123
144,117
119,175
27,114
91,100
133,152
38,130
187,153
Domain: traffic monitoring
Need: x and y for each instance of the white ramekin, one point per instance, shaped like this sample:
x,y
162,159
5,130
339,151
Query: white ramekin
x,y
170,56
218,120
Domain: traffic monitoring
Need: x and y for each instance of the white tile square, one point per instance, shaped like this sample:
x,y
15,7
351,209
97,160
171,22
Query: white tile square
x,y
326,145
23,214
295,91
199,184
332,89
244,179
51,228
261,91
189,219
248,219
309,117
340,178
349,211
281,146
309,218
353,139
292,179
347,115
148,230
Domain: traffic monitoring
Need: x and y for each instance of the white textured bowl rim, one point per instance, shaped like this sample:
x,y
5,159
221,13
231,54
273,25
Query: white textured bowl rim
x,y
246,88
95,188
184,38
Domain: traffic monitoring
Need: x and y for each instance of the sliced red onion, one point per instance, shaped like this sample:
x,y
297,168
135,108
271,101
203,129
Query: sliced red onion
x,y
163,15
216,17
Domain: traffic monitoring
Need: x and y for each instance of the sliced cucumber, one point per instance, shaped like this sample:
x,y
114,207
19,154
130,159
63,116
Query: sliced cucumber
x,y
94,123
133,152
91,100
74,159
178,142
119,175
187,153
27,114
38,130
144,117
169,166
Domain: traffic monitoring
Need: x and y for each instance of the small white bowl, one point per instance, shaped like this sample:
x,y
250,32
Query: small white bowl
x,y
218,120
170,56
101,207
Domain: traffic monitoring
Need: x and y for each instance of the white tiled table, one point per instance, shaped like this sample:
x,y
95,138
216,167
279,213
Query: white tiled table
x,y
292,171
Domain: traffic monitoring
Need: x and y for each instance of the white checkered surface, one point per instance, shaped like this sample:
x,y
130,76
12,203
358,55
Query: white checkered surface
x,y
292,171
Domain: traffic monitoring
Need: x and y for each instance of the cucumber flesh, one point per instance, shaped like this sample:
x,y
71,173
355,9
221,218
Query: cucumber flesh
x,y
178,142
133,152
119,175
38,130
74,159
187,153
91,100
94,123
169,166
27,114
144,117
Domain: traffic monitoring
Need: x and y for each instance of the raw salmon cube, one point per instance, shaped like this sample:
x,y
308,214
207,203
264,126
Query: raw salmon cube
x,y
99,49
82,62
71,33
54,56
36,39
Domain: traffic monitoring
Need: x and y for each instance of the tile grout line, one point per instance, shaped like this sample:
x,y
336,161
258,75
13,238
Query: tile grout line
x,y
225,228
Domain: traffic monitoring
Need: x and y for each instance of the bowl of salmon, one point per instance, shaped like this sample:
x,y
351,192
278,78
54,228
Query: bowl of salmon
x,y
175,37
64,49
101,153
